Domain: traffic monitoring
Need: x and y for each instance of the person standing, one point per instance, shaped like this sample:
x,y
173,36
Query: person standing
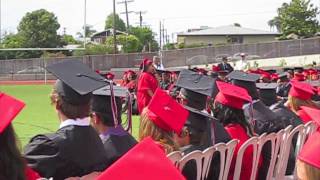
x,y
157,63
225,66
75,149
147,84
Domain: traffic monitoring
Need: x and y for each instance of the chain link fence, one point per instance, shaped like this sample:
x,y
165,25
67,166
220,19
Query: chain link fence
x,y
34,69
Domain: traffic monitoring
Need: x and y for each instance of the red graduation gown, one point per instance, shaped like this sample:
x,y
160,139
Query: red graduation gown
x,y
305,118
236,131
147,81
31,174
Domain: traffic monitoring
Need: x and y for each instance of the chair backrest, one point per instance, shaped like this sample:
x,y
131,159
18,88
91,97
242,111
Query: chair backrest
x,y
252,142
310,128
284,155
230,147
175,157
197,156
274,158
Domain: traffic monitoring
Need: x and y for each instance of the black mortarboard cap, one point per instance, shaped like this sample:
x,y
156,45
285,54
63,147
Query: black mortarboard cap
x,y
287,69
271,71
283,76
298,69
245,80
200,122
76,80
242,76
196,82
77,75
267,86
267,93
119,91
101,103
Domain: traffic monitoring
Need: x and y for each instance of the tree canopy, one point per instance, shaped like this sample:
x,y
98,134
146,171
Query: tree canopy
x,y
298,17
120,25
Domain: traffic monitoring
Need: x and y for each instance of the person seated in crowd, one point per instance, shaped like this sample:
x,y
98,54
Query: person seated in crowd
x,y
165,79
162,120
308,163
300,95
195,90
132,84
283,85
147,84
125,79
224,65
200,126
267,93
257,113
228,110
75,149
12,164
115,139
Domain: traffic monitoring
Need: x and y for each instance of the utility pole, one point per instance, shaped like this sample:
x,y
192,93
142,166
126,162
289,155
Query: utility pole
x,y
64,31
125,2
114,28
140,17
160,37
163,39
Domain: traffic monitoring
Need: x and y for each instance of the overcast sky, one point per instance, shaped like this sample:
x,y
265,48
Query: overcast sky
x,y
178,15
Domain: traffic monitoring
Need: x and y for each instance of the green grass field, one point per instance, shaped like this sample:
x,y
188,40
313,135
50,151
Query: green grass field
x,y
38,116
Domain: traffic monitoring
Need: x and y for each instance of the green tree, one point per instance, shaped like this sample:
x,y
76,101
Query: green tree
x,y
146,38
275,23
39,29
89,31
237,24
69,39
120,25
298,17
129,44
93,49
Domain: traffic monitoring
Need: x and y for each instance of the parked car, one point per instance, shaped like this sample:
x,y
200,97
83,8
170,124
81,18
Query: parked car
x,y
32,70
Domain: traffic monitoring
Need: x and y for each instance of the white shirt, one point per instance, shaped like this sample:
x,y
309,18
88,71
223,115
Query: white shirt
x,y
77,122
159,67
241,65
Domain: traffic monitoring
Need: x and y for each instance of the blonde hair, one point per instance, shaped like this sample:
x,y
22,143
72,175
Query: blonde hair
x,y
148,128
295,103
307,172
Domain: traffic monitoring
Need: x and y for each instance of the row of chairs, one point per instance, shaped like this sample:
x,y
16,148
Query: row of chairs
x,y
281,143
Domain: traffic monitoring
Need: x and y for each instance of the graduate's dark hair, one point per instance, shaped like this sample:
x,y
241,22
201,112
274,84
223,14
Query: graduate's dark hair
x,y
12,165
227,115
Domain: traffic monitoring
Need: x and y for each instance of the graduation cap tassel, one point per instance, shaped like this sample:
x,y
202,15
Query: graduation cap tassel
x,y
129,113
113,105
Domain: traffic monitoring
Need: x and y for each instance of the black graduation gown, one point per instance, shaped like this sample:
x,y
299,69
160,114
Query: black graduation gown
x,y
116,146
71,151
265,121
283,89
220,136
288,118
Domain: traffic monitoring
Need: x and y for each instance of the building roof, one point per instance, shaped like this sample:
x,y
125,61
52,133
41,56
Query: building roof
x,y
228,30
105,33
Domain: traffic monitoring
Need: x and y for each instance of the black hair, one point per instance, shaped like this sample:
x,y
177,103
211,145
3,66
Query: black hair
x,y
102,108
12,165
227,115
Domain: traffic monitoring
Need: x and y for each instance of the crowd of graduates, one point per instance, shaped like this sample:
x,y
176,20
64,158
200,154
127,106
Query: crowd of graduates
x,y
179,109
